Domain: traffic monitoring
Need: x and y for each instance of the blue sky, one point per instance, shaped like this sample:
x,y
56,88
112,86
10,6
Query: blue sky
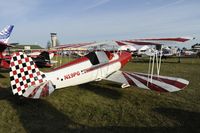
x,y
98,20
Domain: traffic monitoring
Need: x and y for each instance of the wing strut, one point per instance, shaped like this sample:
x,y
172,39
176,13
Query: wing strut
x,y
156,57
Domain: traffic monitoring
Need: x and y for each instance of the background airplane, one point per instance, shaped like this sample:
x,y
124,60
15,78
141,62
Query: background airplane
x,y
42,59
4,37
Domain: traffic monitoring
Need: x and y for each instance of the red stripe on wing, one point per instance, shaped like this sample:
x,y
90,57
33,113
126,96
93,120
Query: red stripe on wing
x,y
151,86
178,39
143,43
120,43
129,80
168,81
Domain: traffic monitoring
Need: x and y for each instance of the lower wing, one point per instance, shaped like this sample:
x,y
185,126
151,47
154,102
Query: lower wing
x,y
145,81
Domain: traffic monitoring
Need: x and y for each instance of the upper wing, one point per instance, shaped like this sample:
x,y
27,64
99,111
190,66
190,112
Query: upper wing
x,y
154,41
151,41
141,80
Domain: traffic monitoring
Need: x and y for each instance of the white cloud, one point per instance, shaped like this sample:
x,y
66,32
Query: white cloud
x,y
96,3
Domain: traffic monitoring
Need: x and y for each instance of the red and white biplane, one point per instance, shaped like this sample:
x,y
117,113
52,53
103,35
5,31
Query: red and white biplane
x,y
28,81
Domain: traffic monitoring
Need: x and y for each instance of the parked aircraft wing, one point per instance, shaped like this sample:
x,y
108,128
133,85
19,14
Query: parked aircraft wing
x,y
26,79
141,80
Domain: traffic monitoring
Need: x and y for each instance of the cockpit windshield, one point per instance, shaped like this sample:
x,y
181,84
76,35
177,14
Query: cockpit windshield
x,y
93,58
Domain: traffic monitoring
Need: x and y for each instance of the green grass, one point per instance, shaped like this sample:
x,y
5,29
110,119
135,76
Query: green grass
x,y
105,107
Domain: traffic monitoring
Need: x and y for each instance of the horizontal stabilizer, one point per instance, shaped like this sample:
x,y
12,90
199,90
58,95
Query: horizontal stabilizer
x,y
38,91
141,80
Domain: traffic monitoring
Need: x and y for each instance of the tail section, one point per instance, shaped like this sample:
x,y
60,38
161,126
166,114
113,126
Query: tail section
x,y
44,55
5,33
26,79
43,60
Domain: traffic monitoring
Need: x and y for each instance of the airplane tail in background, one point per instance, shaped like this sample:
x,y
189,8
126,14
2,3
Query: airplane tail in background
x,y
43,60
45,55
5,33
26,79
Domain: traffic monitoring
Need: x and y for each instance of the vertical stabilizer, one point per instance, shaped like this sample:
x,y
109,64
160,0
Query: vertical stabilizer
x,y
5,33
26,79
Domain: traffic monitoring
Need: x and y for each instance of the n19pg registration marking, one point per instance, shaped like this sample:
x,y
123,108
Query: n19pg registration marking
x,y
72,75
